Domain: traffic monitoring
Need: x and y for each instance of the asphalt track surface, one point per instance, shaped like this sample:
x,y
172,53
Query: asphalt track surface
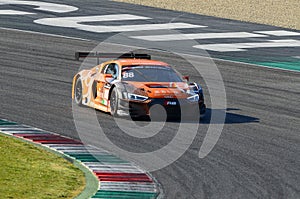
x,y
286,56
257,155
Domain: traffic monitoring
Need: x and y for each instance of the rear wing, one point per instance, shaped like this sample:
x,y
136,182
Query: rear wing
x,y
80,55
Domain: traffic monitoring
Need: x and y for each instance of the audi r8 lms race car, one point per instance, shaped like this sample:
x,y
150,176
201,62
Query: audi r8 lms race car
x,y
133,85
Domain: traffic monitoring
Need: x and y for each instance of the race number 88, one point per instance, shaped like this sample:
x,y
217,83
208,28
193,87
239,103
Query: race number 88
x,y
128,75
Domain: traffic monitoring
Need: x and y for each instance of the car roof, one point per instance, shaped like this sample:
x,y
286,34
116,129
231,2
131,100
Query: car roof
x,y
126,62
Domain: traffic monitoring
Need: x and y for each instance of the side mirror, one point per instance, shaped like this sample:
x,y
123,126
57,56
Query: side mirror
x,y
108,78
186,77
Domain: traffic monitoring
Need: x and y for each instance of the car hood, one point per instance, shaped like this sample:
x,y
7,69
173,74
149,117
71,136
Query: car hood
x,y
159,89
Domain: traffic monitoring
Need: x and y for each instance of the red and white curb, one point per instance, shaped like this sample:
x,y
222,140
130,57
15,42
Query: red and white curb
x,y
117,178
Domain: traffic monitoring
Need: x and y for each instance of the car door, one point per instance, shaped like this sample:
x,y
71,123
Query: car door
x,y
108,73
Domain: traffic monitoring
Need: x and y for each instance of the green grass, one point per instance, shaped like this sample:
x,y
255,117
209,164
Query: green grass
x,y
27,171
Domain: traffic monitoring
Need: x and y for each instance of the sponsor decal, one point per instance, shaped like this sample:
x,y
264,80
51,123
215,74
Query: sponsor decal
x,y
170,103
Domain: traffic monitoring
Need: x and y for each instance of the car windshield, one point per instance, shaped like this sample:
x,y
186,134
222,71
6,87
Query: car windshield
x,y
149,74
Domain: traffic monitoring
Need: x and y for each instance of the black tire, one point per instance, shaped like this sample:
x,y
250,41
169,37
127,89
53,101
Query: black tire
x,y
78,92
114,102
94,89
202,110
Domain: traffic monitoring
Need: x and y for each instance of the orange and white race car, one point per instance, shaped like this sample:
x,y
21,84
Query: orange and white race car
x,y
133,85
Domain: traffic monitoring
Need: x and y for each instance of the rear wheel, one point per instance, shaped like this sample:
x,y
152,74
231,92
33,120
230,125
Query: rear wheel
x,y
202,110
114,101
78,92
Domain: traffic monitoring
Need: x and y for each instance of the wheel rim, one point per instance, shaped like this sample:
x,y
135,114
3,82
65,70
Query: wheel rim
x,y
78,92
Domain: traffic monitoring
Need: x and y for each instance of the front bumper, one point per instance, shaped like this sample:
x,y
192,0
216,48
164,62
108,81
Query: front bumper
x,y
172,108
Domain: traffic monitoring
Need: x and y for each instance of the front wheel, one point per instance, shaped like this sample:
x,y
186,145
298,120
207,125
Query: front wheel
x,y
202,110
114,101
78,92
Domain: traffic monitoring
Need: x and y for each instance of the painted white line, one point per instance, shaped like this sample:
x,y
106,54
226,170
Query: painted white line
x,y
217,59
44,6
17,129
279,33
60,148
115,170
133,184
46,34
77,22
177,37
14,12
105,164
211,58
131,187
114,167
142,27
84,151
13,126
26,132
74,22
235,47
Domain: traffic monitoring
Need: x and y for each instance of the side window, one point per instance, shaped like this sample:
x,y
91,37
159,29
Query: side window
x,y
112,69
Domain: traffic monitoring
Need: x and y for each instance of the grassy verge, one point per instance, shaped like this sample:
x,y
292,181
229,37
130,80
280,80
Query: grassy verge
x,y
273,12
26,171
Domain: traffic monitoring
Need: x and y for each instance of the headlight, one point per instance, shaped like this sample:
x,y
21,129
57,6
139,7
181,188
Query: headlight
x,y
194,98
196,88
136,97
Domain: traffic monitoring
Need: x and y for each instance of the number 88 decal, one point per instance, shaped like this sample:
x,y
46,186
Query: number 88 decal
x,y
128,75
